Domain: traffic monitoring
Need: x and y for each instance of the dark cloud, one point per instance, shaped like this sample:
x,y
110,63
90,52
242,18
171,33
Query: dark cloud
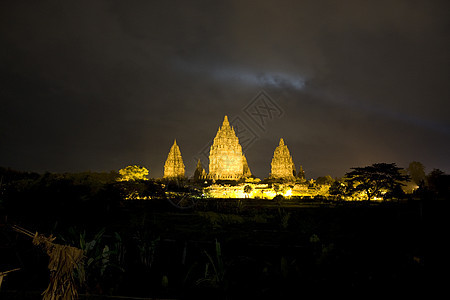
x,y
102,84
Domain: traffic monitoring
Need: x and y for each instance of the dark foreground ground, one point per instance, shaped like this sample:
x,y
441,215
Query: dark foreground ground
x,y
226,249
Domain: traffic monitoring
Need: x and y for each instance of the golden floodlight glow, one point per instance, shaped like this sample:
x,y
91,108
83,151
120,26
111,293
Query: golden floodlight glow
x,y
288,193
264,190
133,173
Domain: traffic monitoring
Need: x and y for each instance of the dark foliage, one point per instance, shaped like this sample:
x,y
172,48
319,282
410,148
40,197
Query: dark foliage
x,y
265,249
375,178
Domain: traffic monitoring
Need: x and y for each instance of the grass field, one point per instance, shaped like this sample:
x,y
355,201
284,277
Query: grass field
x,y
223,249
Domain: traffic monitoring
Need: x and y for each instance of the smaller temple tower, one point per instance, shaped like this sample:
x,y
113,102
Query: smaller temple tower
x,y
282,164
174,166
301,174
199,173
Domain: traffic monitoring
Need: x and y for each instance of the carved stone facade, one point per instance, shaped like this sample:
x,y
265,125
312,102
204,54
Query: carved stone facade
x,y
282,164
226,161
174,166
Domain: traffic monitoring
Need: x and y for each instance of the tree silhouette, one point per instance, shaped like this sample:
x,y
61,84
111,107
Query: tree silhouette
x,y
439,183
339,189
374,179
417,172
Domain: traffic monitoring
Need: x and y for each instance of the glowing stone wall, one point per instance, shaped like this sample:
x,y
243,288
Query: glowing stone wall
x,y
174,166
264,190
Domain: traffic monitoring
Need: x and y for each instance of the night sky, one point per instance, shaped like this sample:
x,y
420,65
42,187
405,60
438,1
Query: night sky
x,y
99,85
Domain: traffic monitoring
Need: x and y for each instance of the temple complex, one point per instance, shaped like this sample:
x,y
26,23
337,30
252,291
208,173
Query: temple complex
x,y
226,161
282,164
174,166
230,176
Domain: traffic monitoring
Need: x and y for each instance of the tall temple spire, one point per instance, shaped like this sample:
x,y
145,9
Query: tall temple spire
x,y
225,124
174,166
226,161
282,164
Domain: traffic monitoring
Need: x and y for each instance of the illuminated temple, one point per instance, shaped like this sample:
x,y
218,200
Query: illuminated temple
x,y
282,164
226,161
230,176
174,166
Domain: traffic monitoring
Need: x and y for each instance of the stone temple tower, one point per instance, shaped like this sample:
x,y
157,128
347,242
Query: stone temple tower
x,y
199,173
282,165
174,166
226,161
